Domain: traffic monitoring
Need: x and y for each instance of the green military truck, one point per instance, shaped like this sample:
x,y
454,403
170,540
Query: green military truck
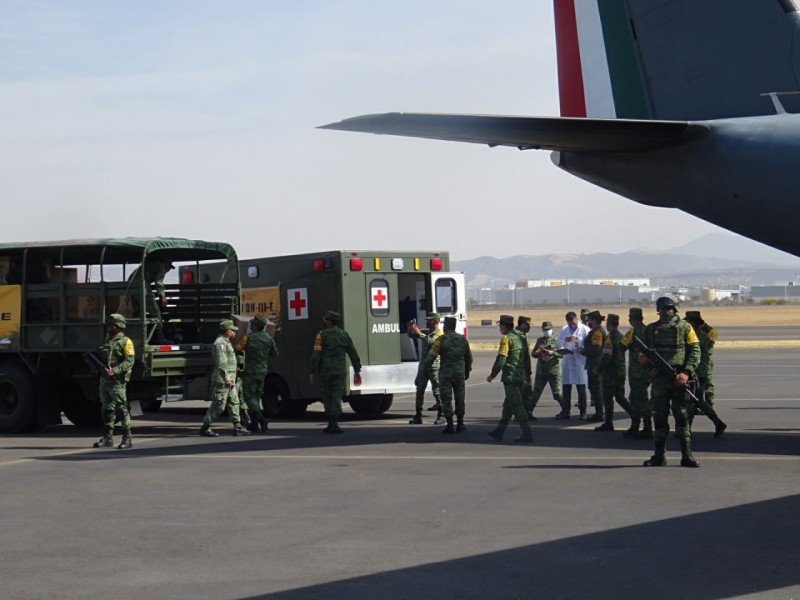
x,y
54,298
376,293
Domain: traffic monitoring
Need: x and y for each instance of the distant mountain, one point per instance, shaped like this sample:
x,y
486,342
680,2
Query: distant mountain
x,y
736,247
662,268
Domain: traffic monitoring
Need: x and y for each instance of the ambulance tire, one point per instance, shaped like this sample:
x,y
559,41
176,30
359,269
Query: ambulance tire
x,y
277,402
371,404
81,411
17,399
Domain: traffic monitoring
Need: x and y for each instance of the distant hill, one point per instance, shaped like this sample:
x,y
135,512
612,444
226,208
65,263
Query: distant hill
x,y
662,268
736,247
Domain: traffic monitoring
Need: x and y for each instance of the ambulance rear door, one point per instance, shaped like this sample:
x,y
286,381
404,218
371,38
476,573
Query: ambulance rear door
x,y
450,298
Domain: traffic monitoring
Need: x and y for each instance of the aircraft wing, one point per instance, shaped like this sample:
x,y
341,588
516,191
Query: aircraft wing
x,y
525,133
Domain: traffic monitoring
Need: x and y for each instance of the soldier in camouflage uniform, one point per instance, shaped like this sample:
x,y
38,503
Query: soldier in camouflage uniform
x,y
331,346
675,340
594,349
456,363
154,269
639,378
511,359
427,373
258,346
523,327
548,370
118,356
704,371
613,374
223,382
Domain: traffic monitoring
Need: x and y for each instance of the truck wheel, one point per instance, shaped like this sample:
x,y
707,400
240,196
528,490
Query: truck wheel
x,y
371,404
81,411
150,405
276,400
17,400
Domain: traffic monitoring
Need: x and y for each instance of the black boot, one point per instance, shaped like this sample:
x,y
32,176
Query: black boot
x,y
647,430
525,438
687,460
417,419
633,430
239,430
434,407
719,427
206,431
460,427
439,418
607,426
104,442
497,434
449,428
333,426
262,421
657,460
246,421
126,442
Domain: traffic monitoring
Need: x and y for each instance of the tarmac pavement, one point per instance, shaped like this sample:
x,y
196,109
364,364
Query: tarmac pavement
x,y
391,510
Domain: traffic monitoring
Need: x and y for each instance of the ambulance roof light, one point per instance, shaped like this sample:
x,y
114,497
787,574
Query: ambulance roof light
x,y
319,265
436,264
356,264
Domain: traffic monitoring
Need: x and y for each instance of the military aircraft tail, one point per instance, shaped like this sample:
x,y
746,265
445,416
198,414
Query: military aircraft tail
x,y
675,59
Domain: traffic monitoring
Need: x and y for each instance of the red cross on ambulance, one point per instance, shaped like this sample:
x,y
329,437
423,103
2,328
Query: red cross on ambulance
x,y
297,301
380,296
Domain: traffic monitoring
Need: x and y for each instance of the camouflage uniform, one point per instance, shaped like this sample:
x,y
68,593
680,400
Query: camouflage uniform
x,y
456,363
702,373
675,340
222,396
511,359
118,354
594,346
257,346
427,373
639,380
548,371
526,391
710,394
328,363
614,375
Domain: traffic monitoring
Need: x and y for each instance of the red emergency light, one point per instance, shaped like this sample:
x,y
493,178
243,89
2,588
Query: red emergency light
x,y
436,264
319,265
356,264
187,277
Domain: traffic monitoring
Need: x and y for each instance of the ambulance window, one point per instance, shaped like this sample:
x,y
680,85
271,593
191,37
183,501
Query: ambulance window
x,y
445,294
379,297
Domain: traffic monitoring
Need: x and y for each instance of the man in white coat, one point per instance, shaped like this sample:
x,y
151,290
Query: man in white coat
x,y
573,365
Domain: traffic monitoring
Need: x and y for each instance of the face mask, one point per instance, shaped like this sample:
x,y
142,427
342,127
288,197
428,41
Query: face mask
x,y
665,316
547,332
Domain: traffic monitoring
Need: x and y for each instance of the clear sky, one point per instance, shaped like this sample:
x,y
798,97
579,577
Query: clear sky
x,y
196,118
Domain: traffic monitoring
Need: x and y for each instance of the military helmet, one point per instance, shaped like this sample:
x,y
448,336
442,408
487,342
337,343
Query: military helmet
x,y
331,316
116,319
666,302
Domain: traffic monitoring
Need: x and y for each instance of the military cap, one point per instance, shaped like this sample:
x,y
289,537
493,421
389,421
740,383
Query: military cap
x,y
332,316
693,315
259,320
595,316
433,315
547,325
116,319
635,313
521,320
612,318
585,311
227,324
506,320
450,322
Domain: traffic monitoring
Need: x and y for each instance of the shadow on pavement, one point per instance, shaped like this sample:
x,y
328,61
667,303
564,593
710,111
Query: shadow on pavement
x,y
693,557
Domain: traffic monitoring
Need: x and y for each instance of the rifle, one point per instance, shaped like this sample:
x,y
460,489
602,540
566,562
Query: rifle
x,y
662,366
98,366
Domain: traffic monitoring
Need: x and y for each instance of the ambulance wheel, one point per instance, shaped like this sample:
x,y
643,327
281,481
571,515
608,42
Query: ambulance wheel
x,y
370,404
277,402
17,400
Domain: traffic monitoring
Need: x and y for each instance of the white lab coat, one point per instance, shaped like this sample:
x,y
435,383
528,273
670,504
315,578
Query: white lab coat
x,y
573,366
